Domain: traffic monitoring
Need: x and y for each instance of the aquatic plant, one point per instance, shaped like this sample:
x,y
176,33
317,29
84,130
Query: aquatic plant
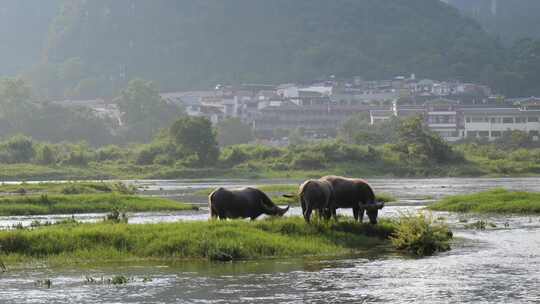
x,y
480,225
3,267
117,216
421,235
47,283
493,201
119,279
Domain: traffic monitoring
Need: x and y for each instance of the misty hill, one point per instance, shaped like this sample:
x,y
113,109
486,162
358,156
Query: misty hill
x,y
24,25
509,19
96,46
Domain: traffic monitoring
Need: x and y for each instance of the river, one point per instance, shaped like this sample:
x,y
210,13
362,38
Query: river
x,y
497,265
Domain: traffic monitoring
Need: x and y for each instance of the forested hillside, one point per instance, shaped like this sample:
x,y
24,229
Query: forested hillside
x,y
508,19
96,46
84,49
24,25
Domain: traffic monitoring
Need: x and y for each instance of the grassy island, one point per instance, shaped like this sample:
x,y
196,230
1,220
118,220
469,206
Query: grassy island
x,y
85,203
211,240
83,197
493,201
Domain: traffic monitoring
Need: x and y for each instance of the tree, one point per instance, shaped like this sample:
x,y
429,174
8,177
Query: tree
x,y
358,130
420,145
196,136
233,132
512,140
20,149
14,101
144,111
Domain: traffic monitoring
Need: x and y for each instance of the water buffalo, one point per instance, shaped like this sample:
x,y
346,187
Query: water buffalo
x,y
354,193
315,195
242,203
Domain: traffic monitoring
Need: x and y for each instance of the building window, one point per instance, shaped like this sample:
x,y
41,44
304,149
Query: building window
x,y
495,133
533,119
468,119
508,120
495,120
521,119
534,133
483,133
478,119
472,133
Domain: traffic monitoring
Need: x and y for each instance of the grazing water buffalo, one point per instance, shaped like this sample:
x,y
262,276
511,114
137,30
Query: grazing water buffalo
x,y
354,193
315,195
242,203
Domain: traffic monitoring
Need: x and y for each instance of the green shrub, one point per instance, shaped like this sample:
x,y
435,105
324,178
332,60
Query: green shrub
x,y
308,160
46,155
420,235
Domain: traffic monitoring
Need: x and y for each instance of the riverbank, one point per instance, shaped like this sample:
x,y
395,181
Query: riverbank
x,y
108,171
493,201
210,240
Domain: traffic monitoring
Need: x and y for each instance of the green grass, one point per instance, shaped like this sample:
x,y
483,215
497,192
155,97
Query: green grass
x,y
214,240
207,240
85,203
66,188
493,201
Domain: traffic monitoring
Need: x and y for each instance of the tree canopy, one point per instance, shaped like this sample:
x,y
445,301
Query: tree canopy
x,y
196,135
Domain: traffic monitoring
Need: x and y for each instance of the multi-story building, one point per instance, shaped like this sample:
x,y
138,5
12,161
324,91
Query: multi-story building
x,y
454,121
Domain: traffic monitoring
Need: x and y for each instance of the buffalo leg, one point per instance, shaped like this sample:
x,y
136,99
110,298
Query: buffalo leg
x,y
327,213
307,213
355,211
361,213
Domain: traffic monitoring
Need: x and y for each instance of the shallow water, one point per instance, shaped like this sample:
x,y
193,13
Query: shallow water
x,y
498,265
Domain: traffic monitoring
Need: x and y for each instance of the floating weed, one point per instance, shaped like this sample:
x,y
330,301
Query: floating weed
x,y
480,225
18,226
146,279
119,280
115,280
46,283
3,267
116,216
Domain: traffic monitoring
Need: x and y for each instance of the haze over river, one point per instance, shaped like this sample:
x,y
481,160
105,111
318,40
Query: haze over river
x,y
498,265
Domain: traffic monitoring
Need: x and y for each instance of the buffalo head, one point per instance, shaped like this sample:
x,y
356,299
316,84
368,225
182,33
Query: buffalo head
x,y
372,210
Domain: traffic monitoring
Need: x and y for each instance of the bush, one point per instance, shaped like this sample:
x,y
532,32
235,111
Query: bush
x,y
18,149
46,155
308,160
421,235
233,156
148,154
109,153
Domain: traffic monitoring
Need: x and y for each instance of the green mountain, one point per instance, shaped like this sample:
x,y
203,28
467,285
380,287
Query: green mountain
x,y
509,19
189,44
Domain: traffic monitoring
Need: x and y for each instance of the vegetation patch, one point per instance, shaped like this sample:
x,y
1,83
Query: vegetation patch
x,y
421,235
85,203
493,201
210,240
67,188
